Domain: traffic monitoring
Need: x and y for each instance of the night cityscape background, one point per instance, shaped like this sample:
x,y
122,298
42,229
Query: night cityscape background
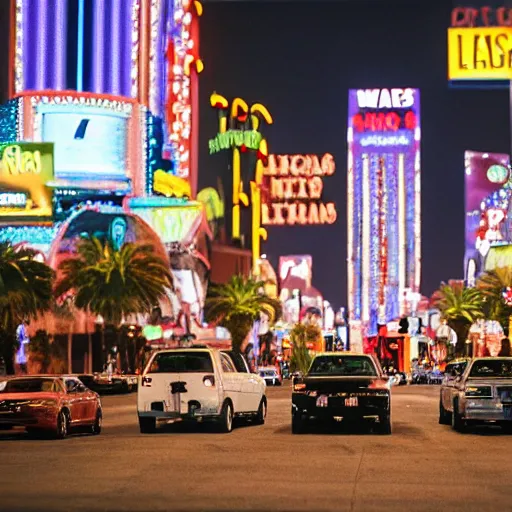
x,y
300,59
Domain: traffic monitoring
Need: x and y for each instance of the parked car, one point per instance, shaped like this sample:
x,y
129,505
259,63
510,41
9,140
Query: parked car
x,y
238,360
198,385
50,405
477,391
342,386
271,375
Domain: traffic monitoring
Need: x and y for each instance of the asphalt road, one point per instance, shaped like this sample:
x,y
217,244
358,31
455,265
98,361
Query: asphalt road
x,y
422,466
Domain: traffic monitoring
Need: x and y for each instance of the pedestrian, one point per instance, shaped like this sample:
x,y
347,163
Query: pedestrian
x,y
505,348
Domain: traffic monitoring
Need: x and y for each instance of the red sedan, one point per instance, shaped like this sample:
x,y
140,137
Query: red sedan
x,y
49,404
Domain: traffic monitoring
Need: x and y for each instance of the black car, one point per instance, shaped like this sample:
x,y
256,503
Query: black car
x,y
343,387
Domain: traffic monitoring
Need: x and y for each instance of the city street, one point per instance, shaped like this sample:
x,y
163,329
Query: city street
x,y
422,466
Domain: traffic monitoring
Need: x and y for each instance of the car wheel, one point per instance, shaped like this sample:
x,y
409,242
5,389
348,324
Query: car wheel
x,y
226,418
147,425
445,417
298,423
384,425
262,412
458,424
96,427
62,425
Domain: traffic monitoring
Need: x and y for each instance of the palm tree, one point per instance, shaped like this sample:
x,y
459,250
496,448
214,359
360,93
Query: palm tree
x,y
114,284
25,292
492,284
237,304
460,307
300,336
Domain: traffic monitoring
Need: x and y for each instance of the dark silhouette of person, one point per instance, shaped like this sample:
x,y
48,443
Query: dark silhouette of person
x,y
505,348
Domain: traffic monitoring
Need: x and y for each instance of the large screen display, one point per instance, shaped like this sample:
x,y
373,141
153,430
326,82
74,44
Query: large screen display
x,y
488,208
89,141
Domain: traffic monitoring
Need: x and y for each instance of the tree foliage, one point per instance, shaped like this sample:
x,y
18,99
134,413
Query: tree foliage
x,y
237,304
491,284
40,348
25,292
460,306
300,336
114,283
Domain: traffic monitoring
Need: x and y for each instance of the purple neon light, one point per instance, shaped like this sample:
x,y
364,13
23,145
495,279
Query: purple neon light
x,y
44,44
98,43
111,55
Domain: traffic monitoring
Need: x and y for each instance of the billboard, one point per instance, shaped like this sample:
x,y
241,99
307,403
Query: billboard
x,y
383,204
296,272
479,46
488,209
479,53
25,170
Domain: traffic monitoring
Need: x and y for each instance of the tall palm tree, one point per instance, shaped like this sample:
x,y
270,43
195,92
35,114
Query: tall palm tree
x,y
237,304
492,285
114,284
460,306
25,292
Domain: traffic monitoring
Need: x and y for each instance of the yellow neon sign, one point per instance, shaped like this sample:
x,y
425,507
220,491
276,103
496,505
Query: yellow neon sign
x,y
26,168
480,53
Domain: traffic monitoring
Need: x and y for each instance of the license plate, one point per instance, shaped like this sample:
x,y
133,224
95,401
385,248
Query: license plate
x,y
351,402
322,401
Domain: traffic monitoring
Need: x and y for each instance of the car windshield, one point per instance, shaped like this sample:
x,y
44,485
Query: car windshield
x,y
29,386
344,366
492,368
182,362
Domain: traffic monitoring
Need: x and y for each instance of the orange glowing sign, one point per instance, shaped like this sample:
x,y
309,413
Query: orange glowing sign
x,y
292,190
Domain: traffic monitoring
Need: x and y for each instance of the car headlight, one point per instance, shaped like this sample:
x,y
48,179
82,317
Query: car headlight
x,y
478,391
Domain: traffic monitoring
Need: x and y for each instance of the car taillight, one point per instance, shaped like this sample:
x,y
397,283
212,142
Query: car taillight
x,y
146,381
209,381
300,386
478,391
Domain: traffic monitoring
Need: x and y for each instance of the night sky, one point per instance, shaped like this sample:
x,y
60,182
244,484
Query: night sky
x,y
300,60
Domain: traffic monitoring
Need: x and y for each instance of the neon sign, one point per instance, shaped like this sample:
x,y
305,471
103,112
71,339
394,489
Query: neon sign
x,y
243,139
486,16
25,170
381,122
293,186
385,98
13,200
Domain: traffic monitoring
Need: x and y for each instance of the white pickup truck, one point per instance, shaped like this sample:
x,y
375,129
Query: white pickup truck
x,y
198,384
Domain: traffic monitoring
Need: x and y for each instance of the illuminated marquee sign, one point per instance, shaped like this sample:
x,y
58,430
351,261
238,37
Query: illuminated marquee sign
x,y
292,190
243,139
480,44
384,117
25,170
